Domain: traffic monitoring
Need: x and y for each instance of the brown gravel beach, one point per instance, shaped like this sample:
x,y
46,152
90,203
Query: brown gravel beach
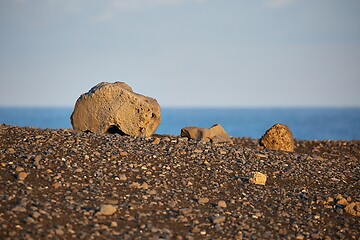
x,y
64,184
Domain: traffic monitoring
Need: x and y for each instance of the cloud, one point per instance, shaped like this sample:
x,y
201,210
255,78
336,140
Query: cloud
x,y
116,6
278,3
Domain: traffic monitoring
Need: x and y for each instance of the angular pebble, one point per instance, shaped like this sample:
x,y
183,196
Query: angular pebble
x,y
222,204
257,178
122,177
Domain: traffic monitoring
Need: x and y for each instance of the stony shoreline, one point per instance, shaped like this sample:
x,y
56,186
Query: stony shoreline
x,y
64,184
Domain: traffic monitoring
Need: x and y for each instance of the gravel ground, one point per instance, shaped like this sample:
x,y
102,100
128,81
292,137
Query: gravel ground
x,y
63,184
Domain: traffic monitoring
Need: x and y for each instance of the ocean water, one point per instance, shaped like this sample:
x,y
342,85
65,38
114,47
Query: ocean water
x,y
305,123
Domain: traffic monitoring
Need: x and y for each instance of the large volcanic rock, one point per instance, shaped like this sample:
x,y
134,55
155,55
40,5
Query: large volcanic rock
x,y
115,108
278,137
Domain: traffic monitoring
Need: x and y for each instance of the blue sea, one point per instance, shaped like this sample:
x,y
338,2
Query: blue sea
x,y
305,123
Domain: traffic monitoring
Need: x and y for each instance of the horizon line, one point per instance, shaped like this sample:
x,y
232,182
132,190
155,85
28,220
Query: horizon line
x,y
35,106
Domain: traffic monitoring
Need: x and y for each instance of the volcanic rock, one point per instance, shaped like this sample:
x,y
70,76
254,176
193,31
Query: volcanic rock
x,y
215,134
115,108
278,137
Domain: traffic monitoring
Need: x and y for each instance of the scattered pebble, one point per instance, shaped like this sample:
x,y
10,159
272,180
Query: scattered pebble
x,y
300,236
10,151
186,211
122,177
57,185
135,185
36,215
19,208
59,232
156,141
257,178
222,204
30,220
203,200
19,169
113,224
107,210
144,186
22,176
123,154
218,219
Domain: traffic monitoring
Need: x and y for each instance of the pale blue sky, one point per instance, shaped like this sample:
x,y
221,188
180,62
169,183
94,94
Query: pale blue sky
x,y
190,53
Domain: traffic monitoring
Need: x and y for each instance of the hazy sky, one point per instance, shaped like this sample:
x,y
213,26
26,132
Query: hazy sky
x,y
233,53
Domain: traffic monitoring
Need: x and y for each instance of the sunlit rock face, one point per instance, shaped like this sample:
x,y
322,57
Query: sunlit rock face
x,y
278,137
115,108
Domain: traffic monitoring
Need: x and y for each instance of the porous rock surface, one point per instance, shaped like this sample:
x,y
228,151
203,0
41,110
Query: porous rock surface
x,y
278,137
215,134
115,108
